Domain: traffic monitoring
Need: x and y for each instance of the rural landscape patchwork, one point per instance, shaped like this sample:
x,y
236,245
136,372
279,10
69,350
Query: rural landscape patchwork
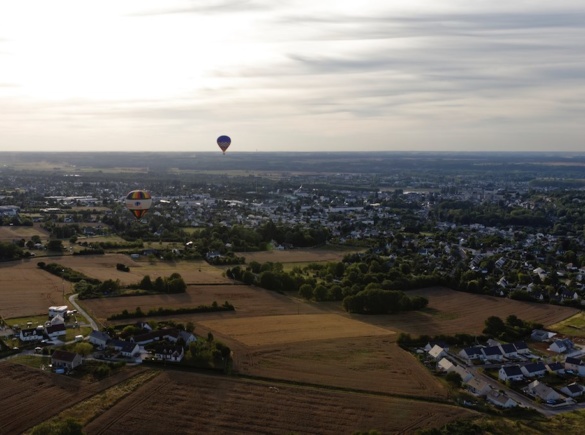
x,y
292,293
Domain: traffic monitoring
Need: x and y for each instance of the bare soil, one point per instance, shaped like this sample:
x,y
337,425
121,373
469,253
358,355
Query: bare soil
x,y
30,396
186,403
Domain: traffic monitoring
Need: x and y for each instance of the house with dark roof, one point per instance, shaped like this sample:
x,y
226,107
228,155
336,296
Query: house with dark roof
x,y
471,353
98,338
573,390
492,353
169,334
540,335
508,350
126,348
510,373
575,365
522,348
32,334
55,331
561,346
533,369
66,360
556,367
168,352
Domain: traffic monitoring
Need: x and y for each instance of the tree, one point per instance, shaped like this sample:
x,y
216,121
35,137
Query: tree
x,y
67,427
83,349
55,245
454,379
306,291
494,326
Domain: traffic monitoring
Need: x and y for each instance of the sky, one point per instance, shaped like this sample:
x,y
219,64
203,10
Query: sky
x,y
298,75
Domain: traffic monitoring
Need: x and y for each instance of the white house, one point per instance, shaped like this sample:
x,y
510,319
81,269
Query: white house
x,y
56,331
573,390
126,348
492,353
508,350
98,338
166,352
543,391
533,369
60,310
471,353
510,373
460,370
556,367
478,387
437,352
575,365
444,365
500,399
32,334
522,348
561,346
64,359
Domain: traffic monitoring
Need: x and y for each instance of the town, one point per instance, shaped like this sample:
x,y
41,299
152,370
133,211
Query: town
x,y
506,227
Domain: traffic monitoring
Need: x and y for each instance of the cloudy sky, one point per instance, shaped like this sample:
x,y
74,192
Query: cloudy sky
x,y
306,75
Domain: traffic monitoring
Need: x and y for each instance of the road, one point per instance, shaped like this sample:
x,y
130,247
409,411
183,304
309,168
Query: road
x,y
92,323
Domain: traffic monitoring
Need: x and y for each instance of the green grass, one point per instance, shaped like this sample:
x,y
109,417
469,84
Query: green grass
x,y
573,326
34,361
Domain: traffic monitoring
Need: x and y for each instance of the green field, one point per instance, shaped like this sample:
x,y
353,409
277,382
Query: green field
x,y
573,326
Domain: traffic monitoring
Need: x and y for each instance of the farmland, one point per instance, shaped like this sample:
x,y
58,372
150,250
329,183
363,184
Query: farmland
x,y
27,388
238,406
319,359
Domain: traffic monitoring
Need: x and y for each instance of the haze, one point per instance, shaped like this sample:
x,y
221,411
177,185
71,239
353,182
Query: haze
x,y
292,76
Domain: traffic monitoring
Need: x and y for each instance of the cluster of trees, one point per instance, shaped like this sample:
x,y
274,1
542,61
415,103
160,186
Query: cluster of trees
x,y
10,251
89,288
208,353
378,301
66,273
363,283
171,284
512,329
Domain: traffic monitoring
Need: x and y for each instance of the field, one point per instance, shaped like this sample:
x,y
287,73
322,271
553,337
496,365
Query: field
x,y
193,403
574,326
25,388
103,267
296,256
27,290
451,312
331,372
10,233
270,330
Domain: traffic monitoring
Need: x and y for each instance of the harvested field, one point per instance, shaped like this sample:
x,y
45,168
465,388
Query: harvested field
x,y
25,388
295,256
248,301
362,363
451,312
103,267
270,330
10,233
186,403
27,290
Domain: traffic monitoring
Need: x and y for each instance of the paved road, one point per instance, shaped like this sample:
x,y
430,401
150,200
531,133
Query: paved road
x,y
81,311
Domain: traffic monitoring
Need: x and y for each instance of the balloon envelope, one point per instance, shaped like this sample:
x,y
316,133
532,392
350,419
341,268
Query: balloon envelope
x,y
224,142
138,202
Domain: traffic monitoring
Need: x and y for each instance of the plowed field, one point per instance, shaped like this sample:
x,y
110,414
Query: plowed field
x,y
30,396
187,403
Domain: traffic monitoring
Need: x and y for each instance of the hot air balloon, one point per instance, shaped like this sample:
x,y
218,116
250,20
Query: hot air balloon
x,y
138,202
224,142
